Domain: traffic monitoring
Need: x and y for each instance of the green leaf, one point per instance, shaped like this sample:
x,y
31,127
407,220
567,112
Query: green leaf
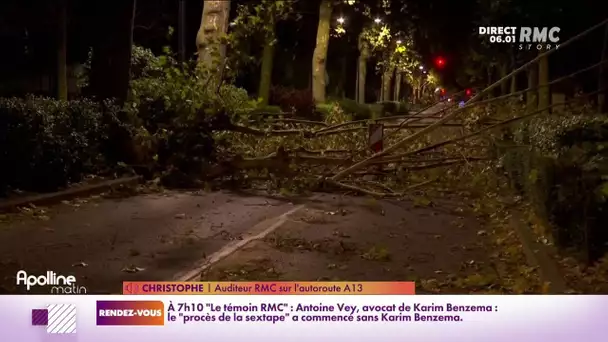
x,y
602,191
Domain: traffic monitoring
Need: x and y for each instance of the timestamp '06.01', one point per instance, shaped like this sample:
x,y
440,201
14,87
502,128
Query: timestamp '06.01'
x,y
502,39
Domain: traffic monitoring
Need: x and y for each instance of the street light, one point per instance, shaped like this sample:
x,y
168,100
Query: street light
x,y
341,20
377,20
399,42
421,67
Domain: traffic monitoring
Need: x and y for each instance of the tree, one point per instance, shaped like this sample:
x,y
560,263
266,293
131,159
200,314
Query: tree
x,y
259,21
397,57
364,54
320,53
210,39
111,60
62,76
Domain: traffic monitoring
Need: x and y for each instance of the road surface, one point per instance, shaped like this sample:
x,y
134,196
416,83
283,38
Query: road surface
x,y
106,241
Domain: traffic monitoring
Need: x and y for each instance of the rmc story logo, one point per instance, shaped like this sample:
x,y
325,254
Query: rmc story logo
x,y
59,284
526,38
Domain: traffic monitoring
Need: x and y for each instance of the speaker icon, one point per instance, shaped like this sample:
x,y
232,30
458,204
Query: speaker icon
x,y
130,288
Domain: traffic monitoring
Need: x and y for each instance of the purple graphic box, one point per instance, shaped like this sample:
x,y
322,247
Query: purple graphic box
x,y
40,317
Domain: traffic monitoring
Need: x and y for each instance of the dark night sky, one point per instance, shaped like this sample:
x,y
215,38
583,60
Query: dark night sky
x,y
444,27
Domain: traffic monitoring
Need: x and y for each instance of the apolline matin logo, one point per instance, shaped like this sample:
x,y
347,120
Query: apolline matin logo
x,y
59,284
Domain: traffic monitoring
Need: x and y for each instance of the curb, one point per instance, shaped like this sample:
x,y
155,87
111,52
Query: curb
x,y
538,255
78,191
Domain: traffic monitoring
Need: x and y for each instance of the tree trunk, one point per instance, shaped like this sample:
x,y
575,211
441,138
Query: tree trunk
x,y
387,80
361,78
362,69
111,64
601,97
357,87
531,95
341,84
398,80
513,87
544,98
266,71
489,72
504,86
62,73
214,25
320,54
181,31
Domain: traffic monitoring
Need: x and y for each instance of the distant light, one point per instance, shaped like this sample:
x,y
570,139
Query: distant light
x,y
449,100
421,67
399,42
233,23
437,89
424,72
341,20
461,104
439,62
377,20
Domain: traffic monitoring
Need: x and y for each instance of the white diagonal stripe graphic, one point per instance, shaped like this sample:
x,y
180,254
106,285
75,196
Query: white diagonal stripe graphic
x,y
66,320
62,319
54,311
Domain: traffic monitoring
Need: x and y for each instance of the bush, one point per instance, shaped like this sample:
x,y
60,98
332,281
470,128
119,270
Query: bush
x,y
179,113
298,101
46,144
564,174
356,110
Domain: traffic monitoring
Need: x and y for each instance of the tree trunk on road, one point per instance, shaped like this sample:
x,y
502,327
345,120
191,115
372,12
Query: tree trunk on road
x,y
214,25
111,63
544,99
320,54
62,72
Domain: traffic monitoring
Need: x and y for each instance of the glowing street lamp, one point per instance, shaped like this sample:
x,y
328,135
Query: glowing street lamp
x,y
399,42
421,67
377,20
341,20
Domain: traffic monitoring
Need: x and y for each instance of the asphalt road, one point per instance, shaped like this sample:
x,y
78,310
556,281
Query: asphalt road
x,y
106,241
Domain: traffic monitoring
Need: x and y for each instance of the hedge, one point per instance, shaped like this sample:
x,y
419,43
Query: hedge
x,y
560,165
46,144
